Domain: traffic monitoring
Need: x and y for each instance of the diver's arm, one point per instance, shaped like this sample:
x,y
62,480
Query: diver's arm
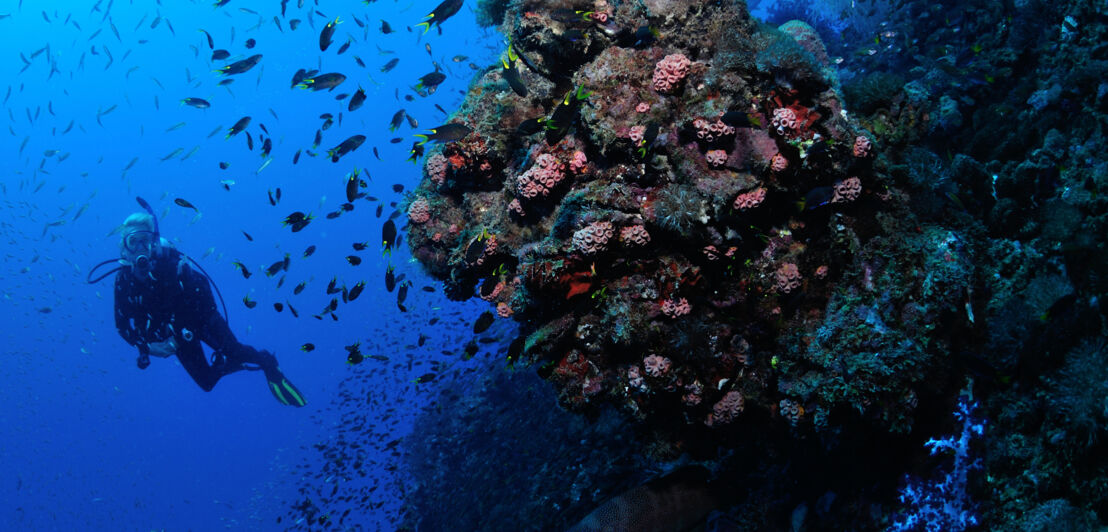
x,y
124,311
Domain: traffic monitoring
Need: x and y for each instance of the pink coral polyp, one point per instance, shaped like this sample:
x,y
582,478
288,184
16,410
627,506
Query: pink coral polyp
x,y
862,146
787,277
727,409
543,176
419,211
716,157
656,366
634,235
676,308
749,200
593,238
847,190
670,71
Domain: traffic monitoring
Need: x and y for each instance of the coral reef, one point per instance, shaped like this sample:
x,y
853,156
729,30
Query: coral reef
x,y
695,151
821,240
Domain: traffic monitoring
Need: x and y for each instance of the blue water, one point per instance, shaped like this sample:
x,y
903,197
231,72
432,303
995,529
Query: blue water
x,y
87,440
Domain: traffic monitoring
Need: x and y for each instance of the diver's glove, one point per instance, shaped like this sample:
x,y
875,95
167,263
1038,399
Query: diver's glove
x,y
163,349
143,361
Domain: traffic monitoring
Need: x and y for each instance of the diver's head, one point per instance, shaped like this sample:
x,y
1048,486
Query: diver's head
x,y
139,243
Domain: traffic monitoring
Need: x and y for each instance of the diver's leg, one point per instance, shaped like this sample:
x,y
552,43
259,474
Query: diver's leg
x,y
191,356
218,335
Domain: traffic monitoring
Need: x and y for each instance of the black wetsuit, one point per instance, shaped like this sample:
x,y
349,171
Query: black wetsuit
x,y
180,296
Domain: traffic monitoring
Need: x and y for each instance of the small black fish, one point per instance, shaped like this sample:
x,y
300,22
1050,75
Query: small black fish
x,y
345,147
476,249
416,152
296,157
250,43
308,252
352,186
511,74
644,36
446,133
282,264
297,221
430,82
308,347
211,43
357,100
426,377
238,127
299,288
238,67
242,267
397,119
323,81
221,54
302,75
440,14
470,350
515,349
531,126
401,295
385,28
224,165
356,290
185,203
398,188
390,65
817,197
483,323
564,115
326,34
247,235
249,302
430,289
354,260
390,279
388,235
740,119
345,46
278,307
354,353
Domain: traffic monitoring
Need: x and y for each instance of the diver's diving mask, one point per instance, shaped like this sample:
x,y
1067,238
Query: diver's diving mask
x,y
139,249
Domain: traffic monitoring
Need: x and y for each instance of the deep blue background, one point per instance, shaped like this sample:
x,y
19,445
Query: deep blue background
x,y
88,441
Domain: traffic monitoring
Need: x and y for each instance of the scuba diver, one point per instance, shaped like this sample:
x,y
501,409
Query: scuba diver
x,y
164,307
